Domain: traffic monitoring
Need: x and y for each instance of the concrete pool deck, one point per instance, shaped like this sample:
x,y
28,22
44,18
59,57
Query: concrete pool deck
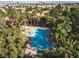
x,y
30,50
32,27
29,31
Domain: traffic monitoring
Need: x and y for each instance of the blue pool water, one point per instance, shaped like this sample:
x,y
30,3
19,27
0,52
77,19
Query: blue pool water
x,y
41,39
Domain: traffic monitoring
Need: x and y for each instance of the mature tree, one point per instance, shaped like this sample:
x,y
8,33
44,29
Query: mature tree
x,y
11,12
12,42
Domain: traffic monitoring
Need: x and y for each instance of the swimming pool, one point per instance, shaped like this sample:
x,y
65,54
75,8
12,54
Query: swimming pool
x,y
41,39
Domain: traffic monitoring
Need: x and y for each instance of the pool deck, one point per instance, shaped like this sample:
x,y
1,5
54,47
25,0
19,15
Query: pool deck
x,y
32,27
30,50
30,30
